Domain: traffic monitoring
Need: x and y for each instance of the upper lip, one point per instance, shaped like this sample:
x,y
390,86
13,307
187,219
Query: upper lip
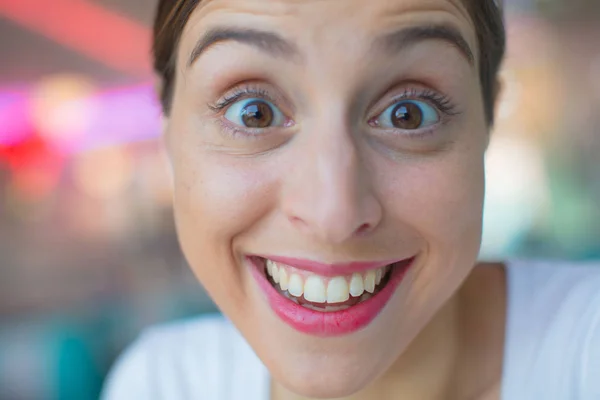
x,y
325,269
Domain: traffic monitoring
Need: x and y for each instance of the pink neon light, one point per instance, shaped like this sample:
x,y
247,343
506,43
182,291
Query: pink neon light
x,y
123,116
88,28
120,116
15,121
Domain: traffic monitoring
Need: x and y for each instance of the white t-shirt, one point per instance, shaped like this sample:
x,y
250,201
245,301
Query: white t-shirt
x,y
552,349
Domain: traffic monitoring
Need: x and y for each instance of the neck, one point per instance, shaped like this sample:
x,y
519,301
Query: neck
x,y
426,369
457,355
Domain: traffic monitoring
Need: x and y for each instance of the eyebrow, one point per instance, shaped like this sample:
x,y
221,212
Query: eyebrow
x,y
277,46
403,38
268,42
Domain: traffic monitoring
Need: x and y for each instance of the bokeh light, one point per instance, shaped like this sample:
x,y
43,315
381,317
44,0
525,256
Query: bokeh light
x,y
103,173
63,107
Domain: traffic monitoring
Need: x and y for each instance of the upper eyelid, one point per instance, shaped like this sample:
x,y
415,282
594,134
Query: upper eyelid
x,y
229,99
250,90
445,104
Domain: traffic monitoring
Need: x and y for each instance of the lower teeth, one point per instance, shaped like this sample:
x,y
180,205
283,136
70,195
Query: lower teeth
x,y
329,308
289,296
326,308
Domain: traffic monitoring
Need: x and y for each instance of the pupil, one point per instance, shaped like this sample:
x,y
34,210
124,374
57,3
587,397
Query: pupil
x,y
407,116
257,115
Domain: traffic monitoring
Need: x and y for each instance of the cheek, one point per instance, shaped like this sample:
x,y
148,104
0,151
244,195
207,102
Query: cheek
x,y
209,193
217,198
442,200
454,203
215,190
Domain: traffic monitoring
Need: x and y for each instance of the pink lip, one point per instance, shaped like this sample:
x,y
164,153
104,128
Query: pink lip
x,y
327,324
329,270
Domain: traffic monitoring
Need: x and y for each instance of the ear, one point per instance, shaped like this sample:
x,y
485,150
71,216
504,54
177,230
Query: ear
x,y
498,92
164,124
167,154
158,86
497,97
164,119
164,130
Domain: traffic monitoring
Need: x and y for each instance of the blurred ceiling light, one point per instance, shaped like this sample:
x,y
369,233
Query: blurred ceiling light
x,y
104,173
101,34
63,107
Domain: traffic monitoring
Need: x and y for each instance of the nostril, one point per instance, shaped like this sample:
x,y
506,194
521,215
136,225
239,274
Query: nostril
x,y
364,228
298,222
330,229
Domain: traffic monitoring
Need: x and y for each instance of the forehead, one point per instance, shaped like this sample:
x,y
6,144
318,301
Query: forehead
x,y
342,22
282,8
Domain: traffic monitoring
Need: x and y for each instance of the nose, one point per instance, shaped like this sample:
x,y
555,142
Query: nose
x,y
328,193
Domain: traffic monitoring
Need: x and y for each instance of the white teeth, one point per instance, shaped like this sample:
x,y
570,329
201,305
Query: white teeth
x,y
337,290
295,285
314,290
273,270
275,273
319,289
283,279
357,285
370,281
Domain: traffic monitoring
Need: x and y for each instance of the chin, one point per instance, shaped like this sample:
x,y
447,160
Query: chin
x,y
329,363
325,377
328,368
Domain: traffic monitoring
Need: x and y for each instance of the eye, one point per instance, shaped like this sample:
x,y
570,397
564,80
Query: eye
x,y
408,115
255,113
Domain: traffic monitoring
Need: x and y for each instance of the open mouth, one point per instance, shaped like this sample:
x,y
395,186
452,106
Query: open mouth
x,y
315,299
326,293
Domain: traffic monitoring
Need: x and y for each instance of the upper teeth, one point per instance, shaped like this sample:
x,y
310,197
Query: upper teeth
x,y
320,289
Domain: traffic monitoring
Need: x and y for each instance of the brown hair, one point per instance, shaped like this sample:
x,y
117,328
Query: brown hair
x,y
172,16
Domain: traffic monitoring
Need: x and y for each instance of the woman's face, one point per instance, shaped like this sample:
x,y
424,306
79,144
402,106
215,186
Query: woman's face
x,y
334,137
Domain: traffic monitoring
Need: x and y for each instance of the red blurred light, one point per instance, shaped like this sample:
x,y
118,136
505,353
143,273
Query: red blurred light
x,y
93,30
34,165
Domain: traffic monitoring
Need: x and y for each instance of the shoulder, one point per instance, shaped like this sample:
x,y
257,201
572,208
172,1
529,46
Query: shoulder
x,y
553,327
555,289
160,361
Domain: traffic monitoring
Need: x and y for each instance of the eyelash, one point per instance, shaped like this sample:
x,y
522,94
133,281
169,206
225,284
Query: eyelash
x,y
233,96
442,102
239,93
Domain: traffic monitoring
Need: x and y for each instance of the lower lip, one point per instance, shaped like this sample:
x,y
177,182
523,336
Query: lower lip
x,y
327,324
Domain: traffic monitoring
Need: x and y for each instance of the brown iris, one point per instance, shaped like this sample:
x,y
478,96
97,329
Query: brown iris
x,y
257,114
407,116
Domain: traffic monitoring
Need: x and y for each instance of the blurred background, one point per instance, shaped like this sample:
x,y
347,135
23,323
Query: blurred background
x,y
88,254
